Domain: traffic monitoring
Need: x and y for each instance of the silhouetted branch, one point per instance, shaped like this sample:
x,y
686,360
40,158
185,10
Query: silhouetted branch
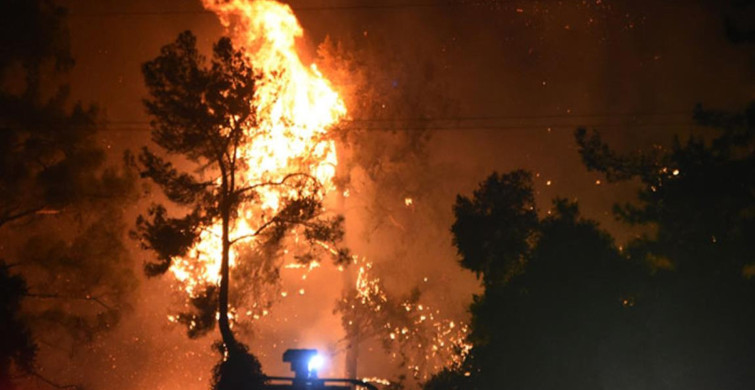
x,y
55,296
256,232
53,384
10,217
53,346
268,224
277,183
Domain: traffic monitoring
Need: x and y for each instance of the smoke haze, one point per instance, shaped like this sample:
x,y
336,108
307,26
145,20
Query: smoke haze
x,y
442,94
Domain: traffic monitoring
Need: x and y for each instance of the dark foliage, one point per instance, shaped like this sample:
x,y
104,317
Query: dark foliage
x,y
700,195
168,237
449,379
18,348
739,29
49,157
44,39
546,325
493,230
675,309
204,112
237,370
200,112
200,320
699,198
54,173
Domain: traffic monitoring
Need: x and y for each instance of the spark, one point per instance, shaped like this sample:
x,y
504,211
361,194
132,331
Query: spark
x,y
421,331
380,381
295,107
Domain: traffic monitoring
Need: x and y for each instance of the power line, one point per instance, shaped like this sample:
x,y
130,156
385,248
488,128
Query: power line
x,y
297,8
488,117
487,122
547,122
365,7
598,126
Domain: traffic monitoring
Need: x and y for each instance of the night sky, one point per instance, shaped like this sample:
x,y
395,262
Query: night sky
x,y
505,83
513,70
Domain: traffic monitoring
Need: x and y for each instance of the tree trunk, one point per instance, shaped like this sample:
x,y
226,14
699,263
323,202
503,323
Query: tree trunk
x,y
225,328
352,357
352,348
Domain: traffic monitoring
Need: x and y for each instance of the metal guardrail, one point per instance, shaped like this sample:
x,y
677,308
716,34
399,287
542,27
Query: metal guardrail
x,y
315,383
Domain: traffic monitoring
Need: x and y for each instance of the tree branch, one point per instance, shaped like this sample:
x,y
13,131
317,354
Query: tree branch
x,y
55,296
256,232
267,224
53,346
21,214
53,384
277,183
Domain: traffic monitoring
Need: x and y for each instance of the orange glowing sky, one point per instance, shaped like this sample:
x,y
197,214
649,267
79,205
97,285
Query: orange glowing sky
x,y
537,68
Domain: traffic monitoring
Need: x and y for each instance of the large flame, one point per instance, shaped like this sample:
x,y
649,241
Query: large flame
x,y
295,105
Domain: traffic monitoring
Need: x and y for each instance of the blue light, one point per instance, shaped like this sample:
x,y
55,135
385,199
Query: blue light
x,y
315,363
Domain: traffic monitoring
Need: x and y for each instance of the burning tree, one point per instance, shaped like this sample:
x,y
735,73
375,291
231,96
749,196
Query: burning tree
x,y
261,166
415,336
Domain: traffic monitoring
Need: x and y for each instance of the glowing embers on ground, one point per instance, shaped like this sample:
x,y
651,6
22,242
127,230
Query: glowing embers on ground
x,y
294,105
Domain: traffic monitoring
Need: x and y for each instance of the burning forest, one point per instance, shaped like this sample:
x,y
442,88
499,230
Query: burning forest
x,y
264,194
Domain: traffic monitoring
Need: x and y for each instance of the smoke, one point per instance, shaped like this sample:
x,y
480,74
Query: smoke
x,y
538,69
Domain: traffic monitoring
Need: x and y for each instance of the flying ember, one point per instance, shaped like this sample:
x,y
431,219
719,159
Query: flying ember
x,y
294,106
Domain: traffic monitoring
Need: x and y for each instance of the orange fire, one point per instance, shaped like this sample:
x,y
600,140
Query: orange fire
x,y
295,105
445,341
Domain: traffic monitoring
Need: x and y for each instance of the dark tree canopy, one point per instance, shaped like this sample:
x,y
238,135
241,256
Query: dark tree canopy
x,y
675,308
18,348
33,35
698,196
494,229
204,112
560,292
572,301
49,157
738,23
74,281
193,117
240,370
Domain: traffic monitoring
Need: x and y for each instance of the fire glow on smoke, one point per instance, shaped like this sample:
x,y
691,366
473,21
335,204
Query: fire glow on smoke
x,y
295,106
